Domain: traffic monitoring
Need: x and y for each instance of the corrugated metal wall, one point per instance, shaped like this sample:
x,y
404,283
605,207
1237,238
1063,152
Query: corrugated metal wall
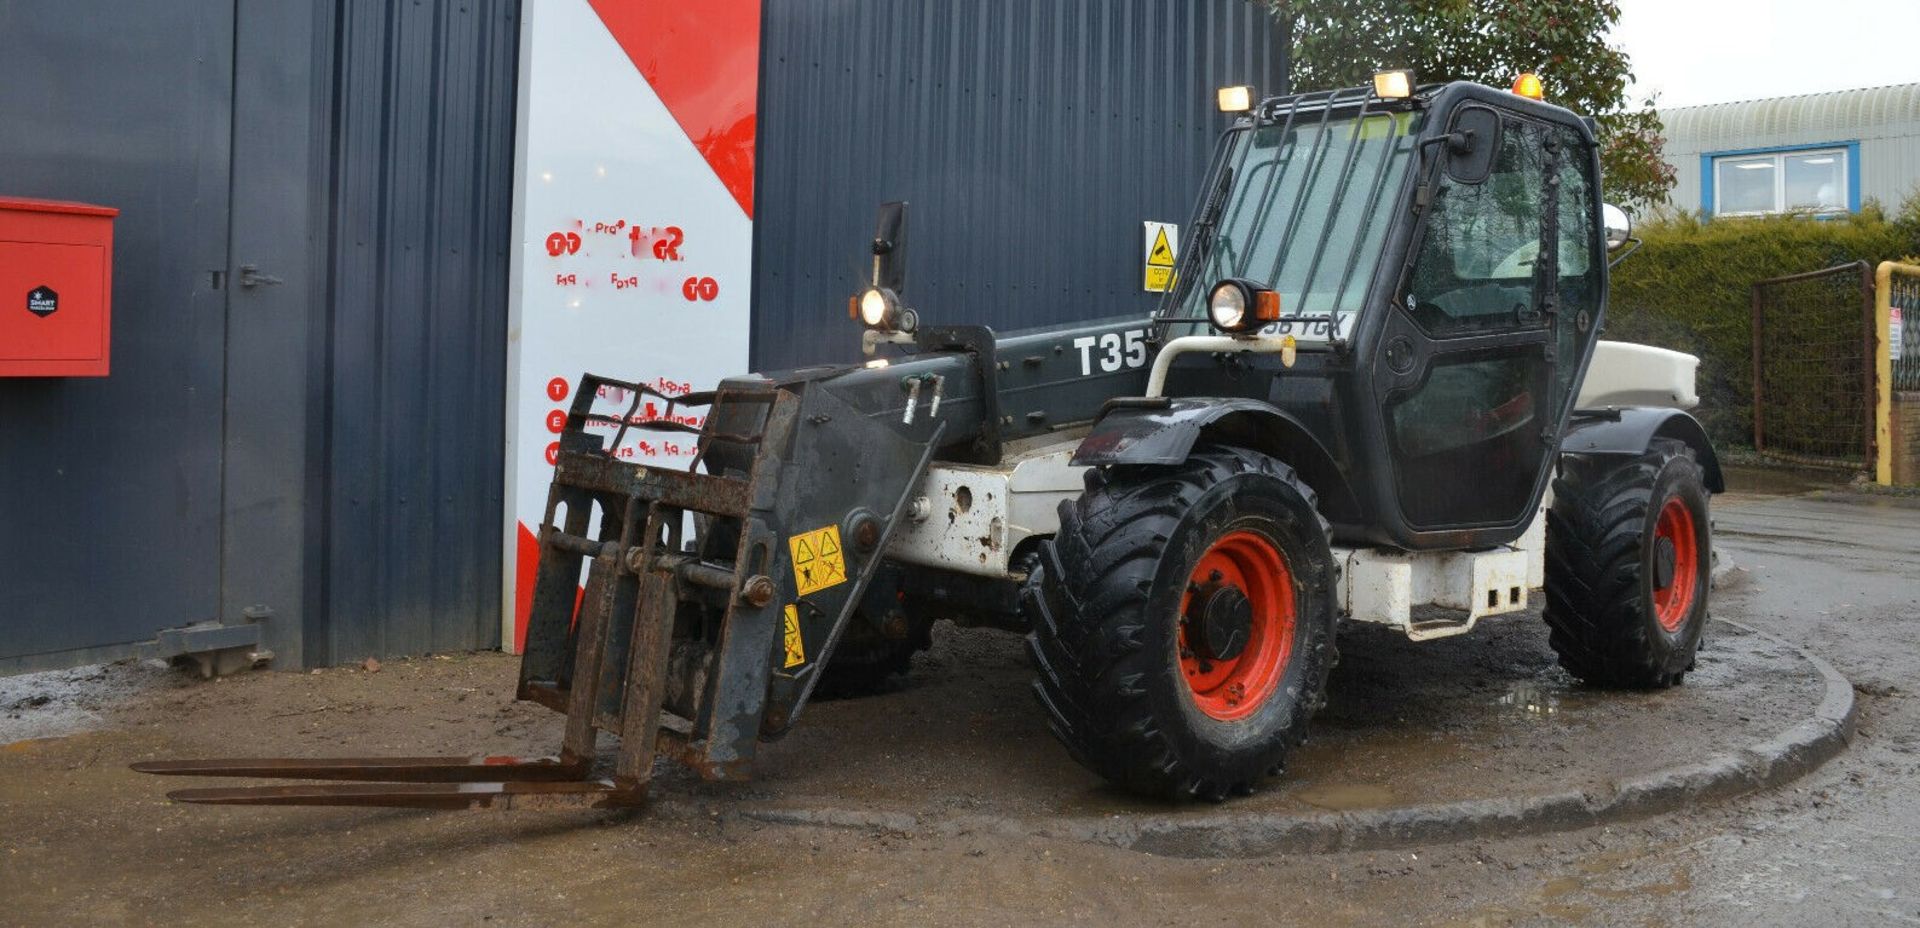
x,y
1031,140
1885,121
421,214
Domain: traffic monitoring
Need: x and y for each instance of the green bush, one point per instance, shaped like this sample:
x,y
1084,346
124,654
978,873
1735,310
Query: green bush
x,y
1689,287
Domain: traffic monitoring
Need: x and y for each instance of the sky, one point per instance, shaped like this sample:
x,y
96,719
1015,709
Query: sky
x,y
1716,51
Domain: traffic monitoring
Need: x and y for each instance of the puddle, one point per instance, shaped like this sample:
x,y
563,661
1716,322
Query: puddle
x,y
1346,797
1617,868
1531,698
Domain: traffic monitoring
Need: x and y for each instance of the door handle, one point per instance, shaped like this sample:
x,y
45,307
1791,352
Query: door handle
x,y
251,277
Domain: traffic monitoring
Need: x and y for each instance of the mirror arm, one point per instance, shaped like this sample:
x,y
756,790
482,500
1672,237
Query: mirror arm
x,y
1630,246
1458,142
1423,194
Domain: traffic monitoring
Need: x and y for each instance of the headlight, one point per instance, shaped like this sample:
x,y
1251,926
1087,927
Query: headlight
x,y
879,308
875,307
1227,305
1238,306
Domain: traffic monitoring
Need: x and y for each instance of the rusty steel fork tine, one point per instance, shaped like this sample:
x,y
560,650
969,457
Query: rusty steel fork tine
x,y
567,794
476,769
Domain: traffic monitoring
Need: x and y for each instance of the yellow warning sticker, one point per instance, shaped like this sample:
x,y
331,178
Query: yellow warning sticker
x,y
1162,243
817,561
1161,253
796,648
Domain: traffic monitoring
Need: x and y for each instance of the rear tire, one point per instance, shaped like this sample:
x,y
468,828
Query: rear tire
x,y
1629,564
1183,623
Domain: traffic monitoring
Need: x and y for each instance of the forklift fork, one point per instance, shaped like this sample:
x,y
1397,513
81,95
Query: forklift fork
x,y
696,651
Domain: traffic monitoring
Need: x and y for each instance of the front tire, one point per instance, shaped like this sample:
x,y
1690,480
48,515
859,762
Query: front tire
x,y
1629,565
1183,623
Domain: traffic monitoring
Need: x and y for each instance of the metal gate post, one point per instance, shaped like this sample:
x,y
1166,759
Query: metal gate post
x,y
1882,346
1870,368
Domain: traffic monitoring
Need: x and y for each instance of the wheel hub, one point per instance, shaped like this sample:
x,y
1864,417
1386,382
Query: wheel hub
x,y
1236,625
1664,558
1223,618
1677,564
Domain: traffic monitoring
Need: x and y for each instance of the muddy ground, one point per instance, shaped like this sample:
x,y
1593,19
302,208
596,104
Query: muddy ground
x,y
84,841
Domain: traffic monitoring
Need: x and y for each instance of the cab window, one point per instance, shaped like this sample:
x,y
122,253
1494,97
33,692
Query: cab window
x,y
1475,268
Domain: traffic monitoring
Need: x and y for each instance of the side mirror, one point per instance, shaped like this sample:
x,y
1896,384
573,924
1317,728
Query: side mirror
x,y
1619,225
1473,144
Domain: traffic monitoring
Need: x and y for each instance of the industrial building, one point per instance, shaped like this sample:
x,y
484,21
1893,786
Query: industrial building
x,y
1816,153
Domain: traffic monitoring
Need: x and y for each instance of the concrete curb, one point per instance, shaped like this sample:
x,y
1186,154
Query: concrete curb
x,y
1788,755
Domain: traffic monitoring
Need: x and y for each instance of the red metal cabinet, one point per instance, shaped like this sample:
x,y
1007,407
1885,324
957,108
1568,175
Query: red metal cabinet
x,y
56,288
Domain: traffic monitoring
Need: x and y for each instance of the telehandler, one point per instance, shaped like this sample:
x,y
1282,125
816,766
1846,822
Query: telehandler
x,y
1374,393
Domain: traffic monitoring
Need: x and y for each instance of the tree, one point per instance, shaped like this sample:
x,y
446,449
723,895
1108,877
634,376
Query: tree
x,y
1340,43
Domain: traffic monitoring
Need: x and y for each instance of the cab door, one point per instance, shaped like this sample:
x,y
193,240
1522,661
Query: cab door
x,y
1488,326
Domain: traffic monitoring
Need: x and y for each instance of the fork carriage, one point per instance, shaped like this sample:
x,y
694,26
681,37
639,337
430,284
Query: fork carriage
x,y
692,648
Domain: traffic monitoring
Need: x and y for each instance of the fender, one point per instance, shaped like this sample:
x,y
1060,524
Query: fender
x,y
1630,430
1164,431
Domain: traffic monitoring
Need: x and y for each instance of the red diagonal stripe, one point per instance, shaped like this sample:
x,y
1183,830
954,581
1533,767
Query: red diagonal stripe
x,y
703,59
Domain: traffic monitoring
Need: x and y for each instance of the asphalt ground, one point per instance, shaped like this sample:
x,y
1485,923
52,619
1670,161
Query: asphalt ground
x,y
84,841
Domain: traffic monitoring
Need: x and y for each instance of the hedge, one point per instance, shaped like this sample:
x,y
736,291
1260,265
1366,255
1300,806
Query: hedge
x,y
1689,287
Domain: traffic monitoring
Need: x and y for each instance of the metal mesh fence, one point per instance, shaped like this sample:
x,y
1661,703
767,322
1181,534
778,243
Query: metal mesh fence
x,y
1813,384
1904,299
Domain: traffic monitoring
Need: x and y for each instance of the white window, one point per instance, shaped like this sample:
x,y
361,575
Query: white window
x,y
1811,180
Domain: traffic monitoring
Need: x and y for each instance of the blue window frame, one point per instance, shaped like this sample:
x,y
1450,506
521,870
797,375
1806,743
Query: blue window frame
x,y
1821,178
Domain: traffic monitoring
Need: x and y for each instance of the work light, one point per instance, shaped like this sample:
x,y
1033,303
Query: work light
x,y
1234,99
1237,306
1393,85
879,308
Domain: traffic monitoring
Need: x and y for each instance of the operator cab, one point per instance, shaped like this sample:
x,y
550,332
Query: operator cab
x,y
1440,269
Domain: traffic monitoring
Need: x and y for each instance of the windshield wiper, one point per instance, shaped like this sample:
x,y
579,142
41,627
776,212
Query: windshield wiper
x,y
1201,248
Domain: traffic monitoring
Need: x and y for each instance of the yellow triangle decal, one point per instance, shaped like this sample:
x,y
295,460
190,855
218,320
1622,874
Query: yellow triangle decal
x,y
1161,255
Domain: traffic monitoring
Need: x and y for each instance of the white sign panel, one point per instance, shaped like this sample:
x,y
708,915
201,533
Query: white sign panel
x,y
634,240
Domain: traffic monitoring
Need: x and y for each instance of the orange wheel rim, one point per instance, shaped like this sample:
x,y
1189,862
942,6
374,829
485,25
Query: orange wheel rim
x,y
1673,600
1240,566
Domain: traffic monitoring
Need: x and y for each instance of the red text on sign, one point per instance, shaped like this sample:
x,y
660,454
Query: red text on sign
x,y
700,288
662,243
